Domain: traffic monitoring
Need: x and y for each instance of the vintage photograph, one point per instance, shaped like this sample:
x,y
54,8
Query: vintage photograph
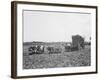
x,y
51,39
56,39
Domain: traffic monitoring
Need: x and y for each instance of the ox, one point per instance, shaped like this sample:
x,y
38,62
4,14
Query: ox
x,y
36,49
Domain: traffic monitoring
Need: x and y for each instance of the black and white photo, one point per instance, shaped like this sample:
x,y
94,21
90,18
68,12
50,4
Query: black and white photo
x,y
53,39
56,39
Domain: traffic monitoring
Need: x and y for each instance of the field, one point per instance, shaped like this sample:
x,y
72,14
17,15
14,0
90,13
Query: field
x,y
54,60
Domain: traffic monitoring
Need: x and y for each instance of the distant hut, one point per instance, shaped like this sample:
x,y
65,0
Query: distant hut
x,y
78,42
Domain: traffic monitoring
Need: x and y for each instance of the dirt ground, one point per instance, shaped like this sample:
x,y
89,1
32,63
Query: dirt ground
x,y
54,60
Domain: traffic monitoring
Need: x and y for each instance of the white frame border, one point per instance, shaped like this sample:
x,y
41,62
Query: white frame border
x,y
21,72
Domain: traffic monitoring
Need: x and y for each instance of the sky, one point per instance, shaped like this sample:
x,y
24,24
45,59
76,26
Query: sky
x,y
55,26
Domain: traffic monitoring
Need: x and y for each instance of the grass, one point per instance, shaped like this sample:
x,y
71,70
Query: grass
x,y
63,59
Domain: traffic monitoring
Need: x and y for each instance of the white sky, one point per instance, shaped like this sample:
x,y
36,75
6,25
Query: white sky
x,y
55,26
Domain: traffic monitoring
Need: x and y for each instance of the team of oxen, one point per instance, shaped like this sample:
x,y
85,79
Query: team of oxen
x,y
77,44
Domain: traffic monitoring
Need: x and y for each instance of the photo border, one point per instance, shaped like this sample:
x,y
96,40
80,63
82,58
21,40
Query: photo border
x,y
14,37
